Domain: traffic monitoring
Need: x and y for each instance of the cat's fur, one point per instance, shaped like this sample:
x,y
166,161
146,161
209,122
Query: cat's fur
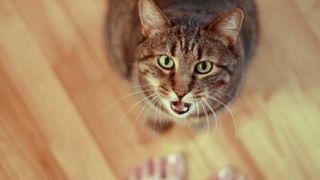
x,y
188,31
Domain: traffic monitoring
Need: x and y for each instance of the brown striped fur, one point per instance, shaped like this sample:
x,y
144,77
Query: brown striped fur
x,y
189,36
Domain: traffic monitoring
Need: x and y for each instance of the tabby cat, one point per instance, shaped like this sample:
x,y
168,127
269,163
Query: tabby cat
x,y
187,58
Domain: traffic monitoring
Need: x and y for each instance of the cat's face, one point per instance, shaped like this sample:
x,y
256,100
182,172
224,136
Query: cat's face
x,y
186,70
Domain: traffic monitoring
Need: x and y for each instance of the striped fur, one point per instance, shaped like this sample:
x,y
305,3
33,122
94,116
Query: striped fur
x,y
188,40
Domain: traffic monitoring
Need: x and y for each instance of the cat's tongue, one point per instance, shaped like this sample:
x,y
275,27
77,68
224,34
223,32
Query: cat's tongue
x,y
180,107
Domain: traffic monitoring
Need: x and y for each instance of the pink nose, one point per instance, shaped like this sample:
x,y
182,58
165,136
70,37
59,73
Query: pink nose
x,y
180,93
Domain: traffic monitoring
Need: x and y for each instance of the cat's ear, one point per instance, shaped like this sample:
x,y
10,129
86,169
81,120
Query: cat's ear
x,y
228,26
153,20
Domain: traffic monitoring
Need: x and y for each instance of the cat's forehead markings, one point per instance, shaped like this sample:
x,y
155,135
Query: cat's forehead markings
x,y
173,48
193,46
197,52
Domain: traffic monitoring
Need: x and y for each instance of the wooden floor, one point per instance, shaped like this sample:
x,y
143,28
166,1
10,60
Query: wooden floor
x,y
55,87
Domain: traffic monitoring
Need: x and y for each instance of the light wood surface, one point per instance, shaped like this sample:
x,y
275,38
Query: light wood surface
x,y
55,87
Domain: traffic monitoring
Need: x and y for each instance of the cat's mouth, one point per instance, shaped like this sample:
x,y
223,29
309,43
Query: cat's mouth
x,y
180,107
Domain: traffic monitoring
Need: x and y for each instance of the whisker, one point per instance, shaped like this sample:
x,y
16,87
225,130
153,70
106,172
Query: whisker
x,y
231,113
220,94
157,115
136,104
135,87
149,110
144,108
198,119
215,118
208,124
214,77
195,126
160,120
123,97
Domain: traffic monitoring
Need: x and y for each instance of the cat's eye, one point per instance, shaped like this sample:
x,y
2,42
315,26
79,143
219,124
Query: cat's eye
x,y
204,67
166,62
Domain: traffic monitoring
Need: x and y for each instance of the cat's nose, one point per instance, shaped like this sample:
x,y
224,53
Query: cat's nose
x,y
180,93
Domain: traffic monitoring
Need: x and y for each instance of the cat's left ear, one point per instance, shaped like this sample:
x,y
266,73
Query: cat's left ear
x,y
228,26
153,20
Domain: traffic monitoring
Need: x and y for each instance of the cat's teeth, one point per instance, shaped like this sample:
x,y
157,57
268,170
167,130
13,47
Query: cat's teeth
x,y
185,109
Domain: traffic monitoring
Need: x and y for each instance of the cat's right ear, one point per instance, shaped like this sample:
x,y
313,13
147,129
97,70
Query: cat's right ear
x,y
152,18
228,26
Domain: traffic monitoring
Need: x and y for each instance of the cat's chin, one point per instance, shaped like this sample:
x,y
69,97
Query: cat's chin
x,y
181,116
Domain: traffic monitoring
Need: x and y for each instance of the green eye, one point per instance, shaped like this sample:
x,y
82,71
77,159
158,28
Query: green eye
x,y
166,62
204,67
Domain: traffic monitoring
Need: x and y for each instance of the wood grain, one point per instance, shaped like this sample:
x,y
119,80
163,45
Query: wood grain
x,y
56,86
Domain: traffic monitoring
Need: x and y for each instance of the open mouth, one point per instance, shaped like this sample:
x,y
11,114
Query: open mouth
x,y
180,107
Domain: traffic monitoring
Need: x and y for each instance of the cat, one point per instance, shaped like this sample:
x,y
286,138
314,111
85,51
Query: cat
x,y
187,57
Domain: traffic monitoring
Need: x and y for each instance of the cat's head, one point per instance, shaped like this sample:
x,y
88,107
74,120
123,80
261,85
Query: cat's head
x,y
187,69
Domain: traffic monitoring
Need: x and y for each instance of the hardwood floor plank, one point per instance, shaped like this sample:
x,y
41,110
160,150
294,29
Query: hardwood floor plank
x,y
72,145
24,151
288,141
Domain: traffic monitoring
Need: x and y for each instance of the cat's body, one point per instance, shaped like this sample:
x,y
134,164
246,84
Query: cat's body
x,y
187,33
